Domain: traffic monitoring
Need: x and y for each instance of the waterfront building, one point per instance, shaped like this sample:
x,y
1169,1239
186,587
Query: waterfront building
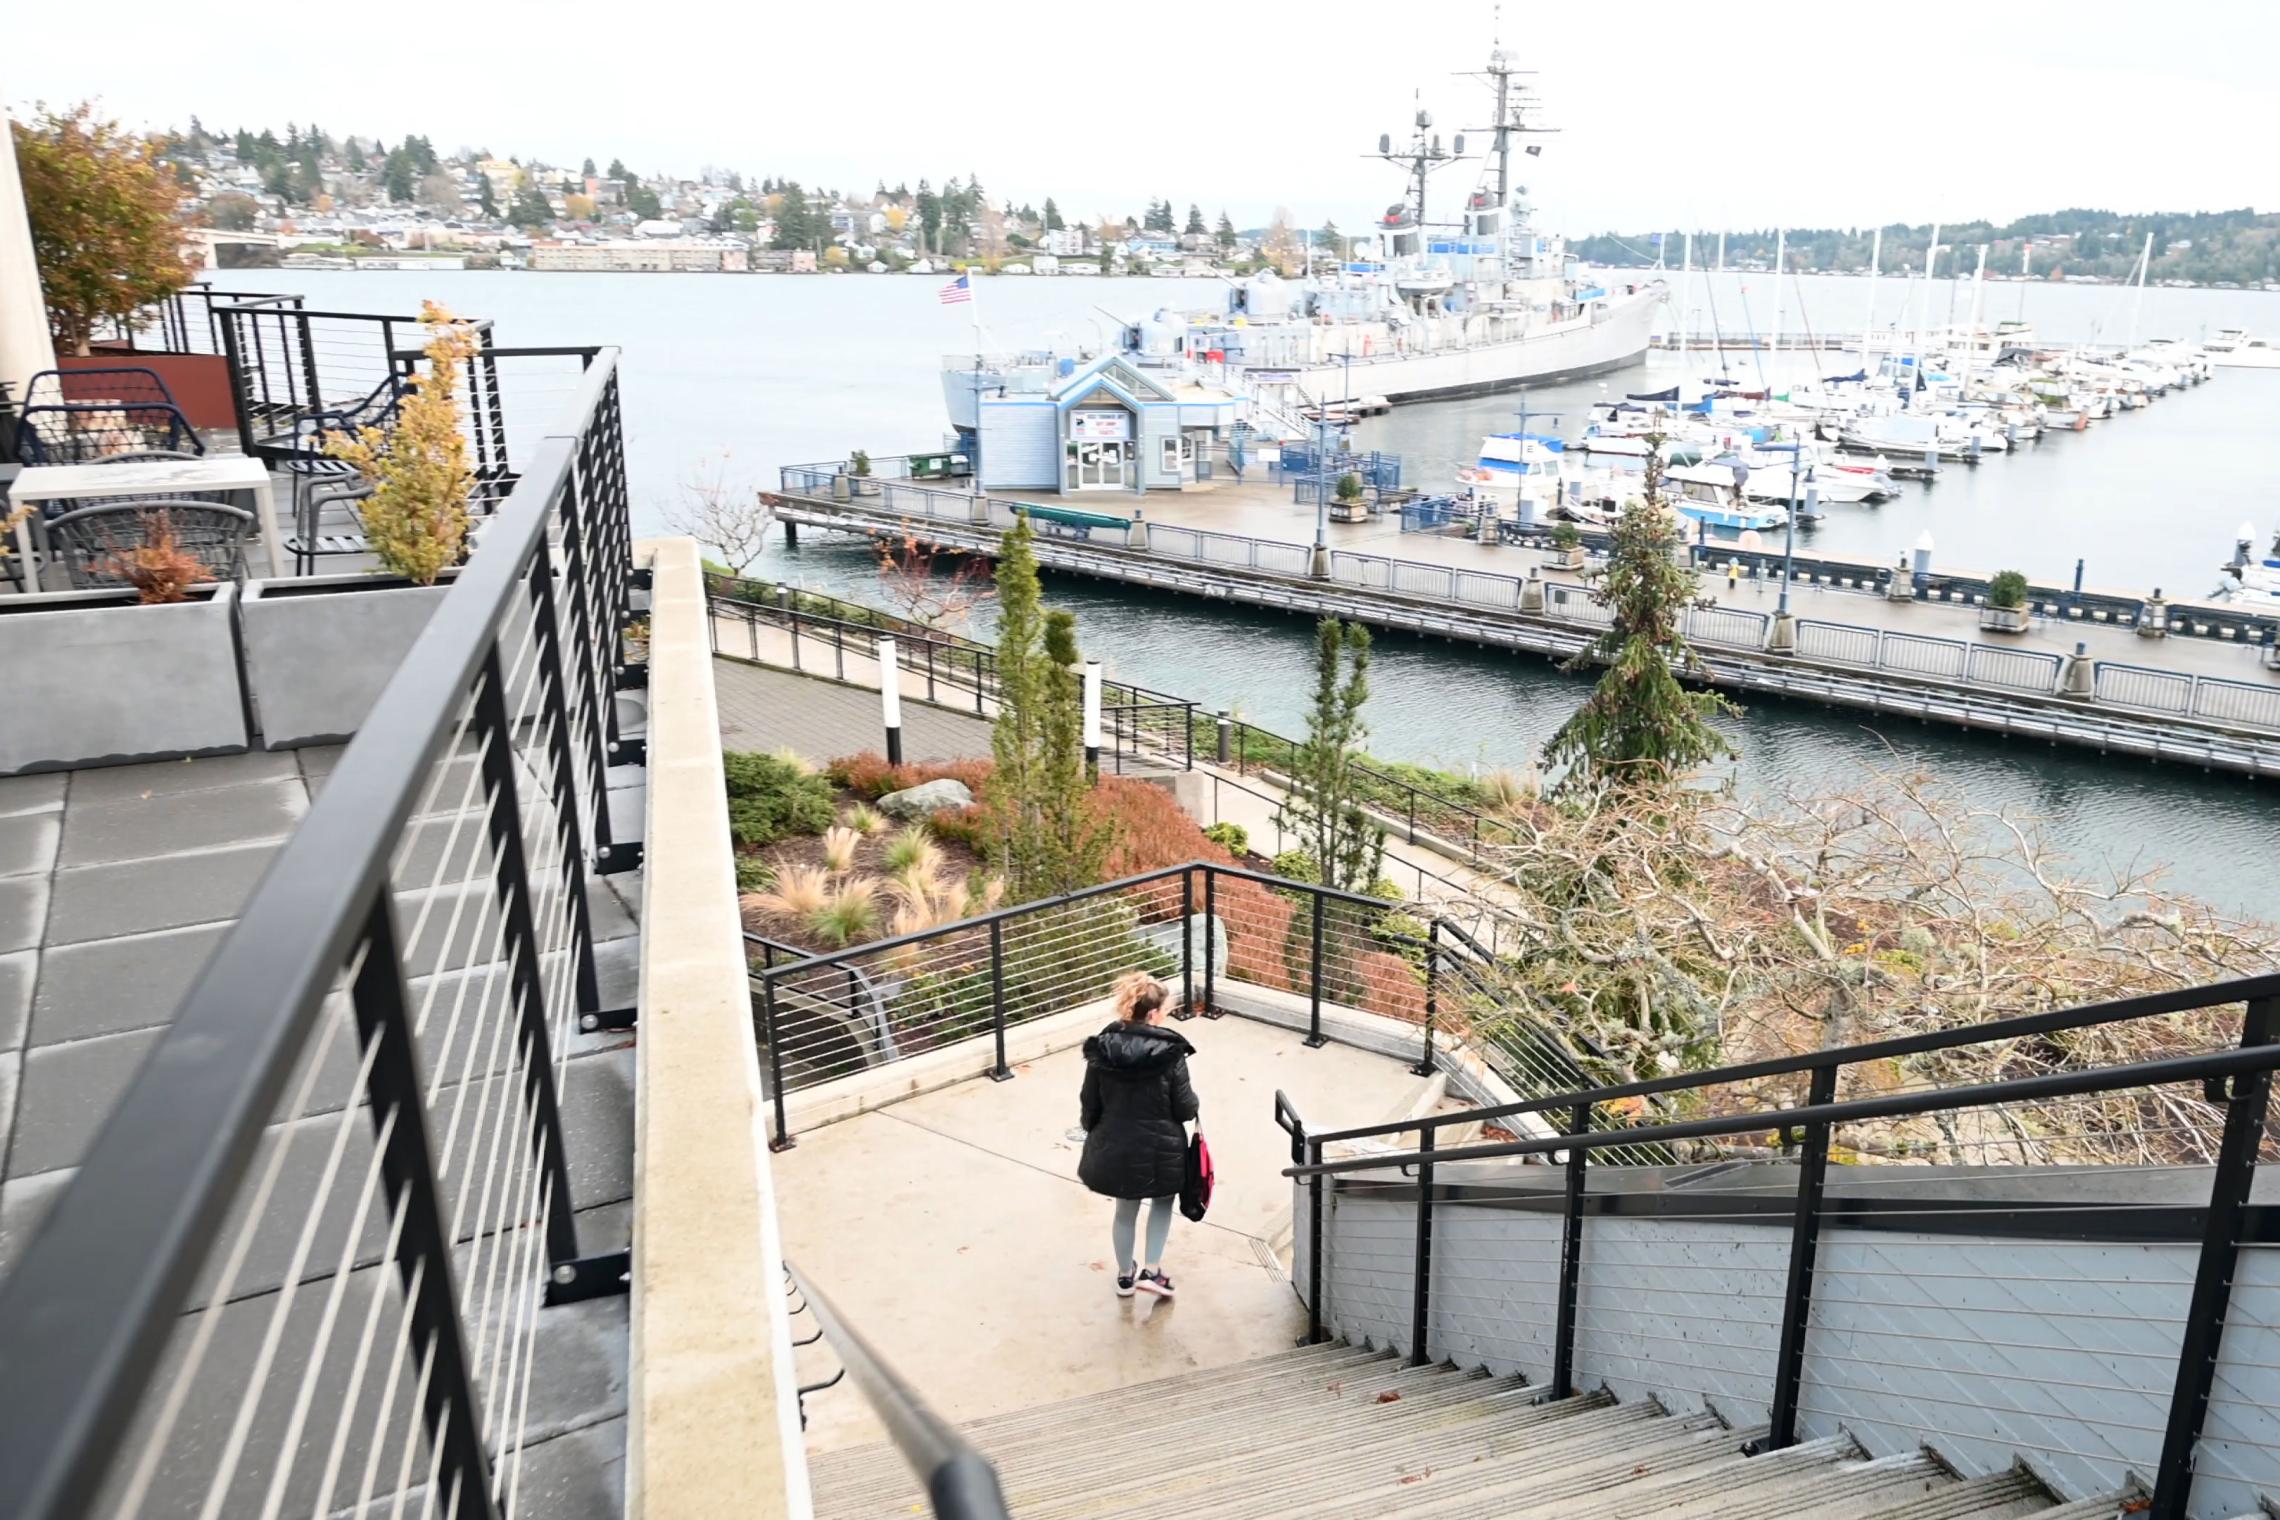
x,y
1115,424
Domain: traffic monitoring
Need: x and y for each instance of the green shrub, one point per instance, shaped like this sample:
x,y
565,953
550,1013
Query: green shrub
x,y
1386,889
1297,865
1231,837
2008,588
771,797
754,874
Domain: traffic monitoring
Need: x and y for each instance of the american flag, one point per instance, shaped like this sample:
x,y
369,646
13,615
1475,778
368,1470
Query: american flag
x,y
954,292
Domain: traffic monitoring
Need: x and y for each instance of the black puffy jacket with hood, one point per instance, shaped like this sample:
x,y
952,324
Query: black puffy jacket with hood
x,y
1136,1097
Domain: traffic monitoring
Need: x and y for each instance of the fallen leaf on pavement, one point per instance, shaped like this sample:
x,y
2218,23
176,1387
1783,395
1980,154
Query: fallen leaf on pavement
x,y
1389,1396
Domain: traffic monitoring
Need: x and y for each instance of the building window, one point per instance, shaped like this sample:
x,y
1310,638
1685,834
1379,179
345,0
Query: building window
x,y
1171,456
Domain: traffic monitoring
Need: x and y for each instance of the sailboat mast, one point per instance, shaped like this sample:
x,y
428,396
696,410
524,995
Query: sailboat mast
x,y
1924,296
1685,291
1868,323
2137,305
2026,266
1780,262
1978,284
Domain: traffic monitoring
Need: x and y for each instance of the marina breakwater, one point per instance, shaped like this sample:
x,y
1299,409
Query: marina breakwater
x,y
2079,674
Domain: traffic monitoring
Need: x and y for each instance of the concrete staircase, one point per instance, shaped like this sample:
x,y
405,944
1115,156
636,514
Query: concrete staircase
x,y
1337,1433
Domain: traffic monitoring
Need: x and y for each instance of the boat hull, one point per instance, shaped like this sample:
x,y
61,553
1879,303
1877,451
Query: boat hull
x,y
1566,352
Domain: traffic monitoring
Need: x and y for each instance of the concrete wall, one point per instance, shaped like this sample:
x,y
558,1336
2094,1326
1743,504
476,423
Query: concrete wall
x,y
1991,1350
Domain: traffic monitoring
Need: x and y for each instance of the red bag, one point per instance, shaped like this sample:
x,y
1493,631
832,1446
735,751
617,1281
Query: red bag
x,y
1195,1188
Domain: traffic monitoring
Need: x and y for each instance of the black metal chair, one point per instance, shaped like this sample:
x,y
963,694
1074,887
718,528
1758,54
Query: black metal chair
x,y
87,542
88,432
313,537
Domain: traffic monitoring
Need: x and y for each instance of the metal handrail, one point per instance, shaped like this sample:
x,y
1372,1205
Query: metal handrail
x,y
86,1313
2023,1026
961,1484
2056,1084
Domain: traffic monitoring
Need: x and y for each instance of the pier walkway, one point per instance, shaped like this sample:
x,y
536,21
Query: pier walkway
x,y
2205,697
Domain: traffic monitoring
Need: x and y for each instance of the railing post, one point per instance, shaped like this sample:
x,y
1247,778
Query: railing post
x,y
1316,1276
452,1413
2245,1105
1187,944
1315,1038
783,1140
1421,1265
792,621
1424,1066
1571,1259
1001,1072
1804,1244
1226,729
519,933
1210,940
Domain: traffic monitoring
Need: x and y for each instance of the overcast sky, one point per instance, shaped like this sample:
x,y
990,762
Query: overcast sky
x,y
1773,112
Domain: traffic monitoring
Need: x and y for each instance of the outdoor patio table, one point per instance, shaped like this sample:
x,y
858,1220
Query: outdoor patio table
x,y
157,478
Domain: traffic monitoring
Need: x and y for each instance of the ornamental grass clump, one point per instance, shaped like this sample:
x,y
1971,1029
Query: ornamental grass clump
x,y
416,516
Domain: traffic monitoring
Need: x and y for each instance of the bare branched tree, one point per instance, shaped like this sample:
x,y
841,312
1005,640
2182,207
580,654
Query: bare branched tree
x,y
931,589
724,513
1683,928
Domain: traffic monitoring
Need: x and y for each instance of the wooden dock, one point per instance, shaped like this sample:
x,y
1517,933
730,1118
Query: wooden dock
x,y
2201,701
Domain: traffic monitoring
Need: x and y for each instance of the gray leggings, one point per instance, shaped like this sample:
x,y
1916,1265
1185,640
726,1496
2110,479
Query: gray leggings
x,y
1160,1211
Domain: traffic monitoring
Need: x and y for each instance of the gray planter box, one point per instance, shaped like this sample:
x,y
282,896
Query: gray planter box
x,y
2003,619
319,649
96,679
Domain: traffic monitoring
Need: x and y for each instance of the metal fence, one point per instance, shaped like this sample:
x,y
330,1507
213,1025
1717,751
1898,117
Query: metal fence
x,y
1730,626
302,1264
1843,1277
1924,656
1843,642
2012,669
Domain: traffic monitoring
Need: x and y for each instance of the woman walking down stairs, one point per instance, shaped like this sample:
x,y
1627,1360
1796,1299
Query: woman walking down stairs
x,y
1336,1432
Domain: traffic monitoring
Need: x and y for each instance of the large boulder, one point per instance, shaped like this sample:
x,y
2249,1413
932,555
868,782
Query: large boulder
x,y
926,799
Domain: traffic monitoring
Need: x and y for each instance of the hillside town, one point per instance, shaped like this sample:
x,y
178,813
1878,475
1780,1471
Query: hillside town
x,y
305,199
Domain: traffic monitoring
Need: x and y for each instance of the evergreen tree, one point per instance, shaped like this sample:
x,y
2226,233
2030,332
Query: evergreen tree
x,y
1053,222
1331,241
1323,809
929,219
529,209
1017,784
642,202
1074,843
1194,227
1226,233
485,200
1639,725
399,179
352,157
620,173
587,168
797,225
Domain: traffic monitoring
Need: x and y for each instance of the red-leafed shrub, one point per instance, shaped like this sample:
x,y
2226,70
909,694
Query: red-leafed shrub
x,y
869,776
969,826
1390,986
1259,926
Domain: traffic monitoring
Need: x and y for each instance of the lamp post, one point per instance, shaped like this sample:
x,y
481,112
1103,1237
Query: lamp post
x,y
1781,638
1092,719
890,699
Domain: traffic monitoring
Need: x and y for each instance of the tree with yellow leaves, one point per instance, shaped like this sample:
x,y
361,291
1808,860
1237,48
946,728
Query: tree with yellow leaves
x,y
416,517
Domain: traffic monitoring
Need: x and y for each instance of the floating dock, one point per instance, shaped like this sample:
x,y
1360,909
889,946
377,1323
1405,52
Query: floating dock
x,y
2081,673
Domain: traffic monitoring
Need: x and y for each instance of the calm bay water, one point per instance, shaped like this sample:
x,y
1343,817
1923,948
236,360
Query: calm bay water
x,y
734,375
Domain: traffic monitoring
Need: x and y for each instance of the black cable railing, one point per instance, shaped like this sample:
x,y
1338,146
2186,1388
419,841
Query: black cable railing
x,y
1212,933
398,993
2234,1085
960,1482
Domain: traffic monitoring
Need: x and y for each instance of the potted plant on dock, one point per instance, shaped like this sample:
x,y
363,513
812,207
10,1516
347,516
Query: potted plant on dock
x,y
2006,609
859,467
144,671
1346,499
318,649
1567,547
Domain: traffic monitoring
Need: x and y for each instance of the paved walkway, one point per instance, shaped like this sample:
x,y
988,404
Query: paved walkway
x,y
952,1229
763,709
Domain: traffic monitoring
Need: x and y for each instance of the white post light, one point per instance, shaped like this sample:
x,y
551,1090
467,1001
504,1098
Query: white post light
x,y
1092,717
890,699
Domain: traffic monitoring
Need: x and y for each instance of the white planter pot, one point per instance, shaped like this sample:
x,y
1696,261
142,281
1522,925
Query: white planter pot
x,y
96,679
319,649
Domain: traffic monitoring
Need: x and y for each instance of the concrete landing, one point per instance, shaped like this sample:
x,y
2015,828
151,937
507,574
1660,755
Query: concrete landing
x,y
952,1231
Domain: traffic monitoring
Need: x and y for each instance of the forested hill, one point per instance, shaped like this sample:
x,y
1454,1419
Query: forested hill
x,y
2205,247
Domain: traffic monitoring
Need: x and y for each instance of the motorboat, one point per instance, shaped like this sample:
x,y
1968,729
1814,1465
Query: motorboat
x,y
2233,348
